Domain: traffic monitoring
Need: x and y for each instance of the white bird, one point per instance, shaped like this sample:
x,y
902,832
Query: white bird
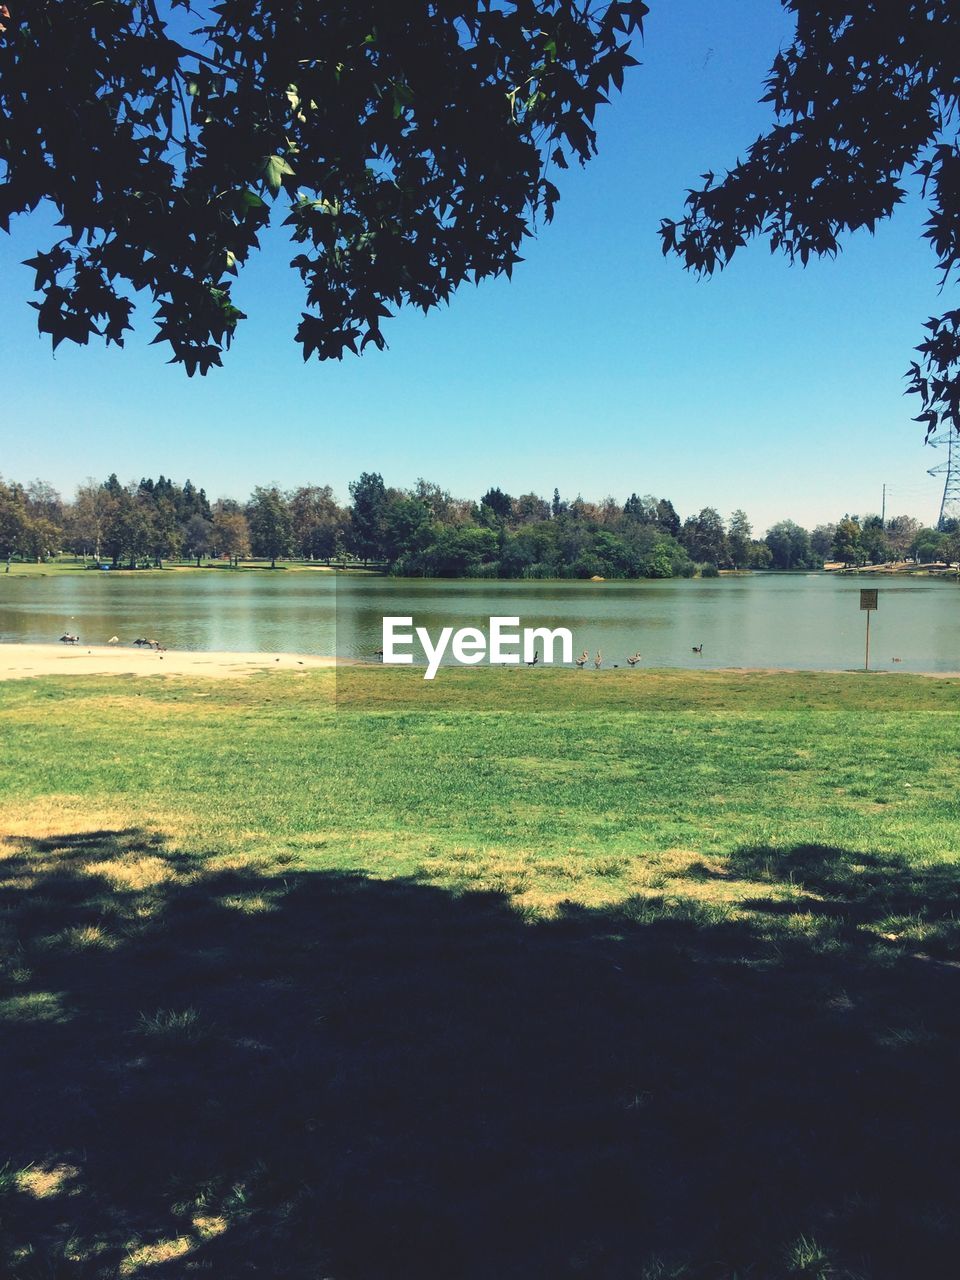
x,y
114,640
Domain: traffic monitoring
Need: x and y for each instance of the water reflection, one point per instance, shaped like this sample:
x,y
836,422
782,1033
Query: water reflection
x,y
764,620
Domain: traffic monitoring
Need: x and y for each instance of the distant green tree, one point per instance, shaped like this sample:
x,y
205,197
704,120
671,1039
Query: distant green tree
x,y
667,518
406,523
739,536
846,541
929,546
500,503
316,521
198,537
821,542
659,563
41,538
231,532
86,518
760,557
167,534
789,546
901,531
635,509
44,503
873,540
367,530
704,537
268,515
529,508
13,520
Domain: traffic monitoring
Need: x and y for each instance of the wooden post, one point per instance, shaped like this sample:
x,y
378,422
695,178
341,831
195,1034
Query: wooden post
x,y
868,602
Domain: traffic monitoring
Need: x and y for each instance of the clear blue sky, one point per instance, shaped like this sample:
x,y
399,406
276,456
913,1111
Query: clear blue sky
x,y
602,368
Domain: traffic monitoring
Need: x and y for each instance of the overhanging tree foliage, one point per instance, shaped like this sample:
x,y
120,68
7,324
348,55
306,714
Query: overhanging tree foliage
x,y
408,142
865,96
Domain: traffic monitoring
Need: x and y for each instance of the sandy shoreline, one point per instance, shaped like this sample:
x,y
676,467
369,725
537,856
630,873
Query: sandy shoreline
x,y
20,661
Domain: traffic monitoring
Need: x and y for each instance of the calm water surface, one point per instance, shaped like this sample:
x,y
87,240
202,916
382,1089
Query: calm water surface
x,y
765,620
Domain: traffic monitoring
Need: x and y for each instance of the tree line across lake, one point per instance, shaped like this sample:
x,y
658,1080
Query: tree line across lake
x,y
424,531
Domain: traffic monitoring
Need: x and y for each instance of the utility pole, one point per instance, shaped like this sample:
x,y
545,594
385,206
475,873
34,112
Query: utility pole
x,y
883,509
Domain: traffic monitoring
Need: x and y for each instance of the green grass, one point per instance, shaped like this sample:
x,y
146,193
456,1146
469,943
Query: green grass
x,y
515,973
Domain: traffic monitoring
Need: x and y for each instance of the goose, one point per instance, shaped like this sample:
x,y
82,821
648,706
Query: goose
x,y
582,660
598,660
536,658
634,660
697,648
114,640
69,638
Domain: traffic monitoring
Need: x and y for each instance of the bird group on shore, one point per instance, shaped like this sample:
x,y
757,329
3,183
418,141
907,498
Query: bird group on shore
x,y
584,658
69,637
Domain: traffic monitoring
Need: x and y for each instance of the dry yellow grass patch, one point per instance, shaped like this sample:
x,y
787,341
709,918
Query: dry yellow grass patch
x,y
56,814
254,904
207,1227
136,872
151,1255
44,1181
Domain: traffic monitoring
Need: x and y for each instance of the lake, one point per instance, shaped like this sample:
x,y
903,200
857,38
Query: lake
x,y
807,621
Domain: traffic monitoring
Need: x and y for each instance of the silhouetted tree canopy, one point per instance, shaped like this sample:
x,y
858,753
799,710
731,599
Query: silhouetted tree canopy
x,y
864,98
408,144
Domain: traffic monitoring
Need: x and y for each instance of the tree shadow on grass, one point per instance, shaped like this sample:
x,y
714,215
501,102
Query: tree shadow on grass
x,y
292,1074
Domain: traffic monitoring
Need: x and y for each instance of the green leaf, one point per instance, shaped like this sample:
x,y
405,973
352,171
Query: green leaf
x,y
274,169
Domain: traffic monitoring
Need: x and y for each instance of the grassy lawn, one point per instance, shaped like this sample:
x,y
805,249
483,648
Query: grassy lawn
x,y
514,974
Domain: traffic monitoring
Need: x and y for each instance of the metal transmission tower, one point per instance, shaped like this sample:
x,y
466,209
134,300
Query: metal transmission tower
x,y
950,504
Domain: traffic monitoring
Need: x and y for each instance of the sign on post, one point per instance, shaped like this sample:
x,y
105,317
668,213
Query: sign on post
x,y
868,602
